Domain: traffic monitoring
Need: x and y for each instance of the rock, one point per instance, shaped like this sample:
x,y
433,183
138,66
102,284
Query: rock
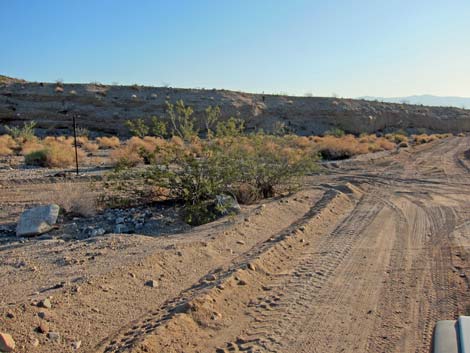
x,y
242,282
53,336
7,344
120,220
42,314
251,267
76,345
37,220
151,283
227,205
35,342
211,277
10,315
241,242
43,328
46,303
121,229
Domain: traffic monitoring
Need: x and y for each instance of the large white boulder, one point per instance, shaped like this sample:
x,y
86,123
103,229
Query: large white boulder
x,y
37,220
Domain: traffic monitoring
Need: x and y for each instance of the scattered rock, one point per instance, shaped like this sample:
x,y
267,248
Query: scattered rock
x,y
53,336
37,220
46,303
7,344
76,345
43,328
42,315
10,315
151,283
302,228
121,229
211,278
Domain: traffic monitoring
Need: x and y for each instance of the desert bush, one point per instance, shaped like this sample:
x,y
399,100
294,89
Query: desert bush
x,y
76,199
138,127
31,146
195,172
231,128
108,142
90,146
211,118
24,133
7,145
126,156
336,132
54,154
182,120
158,127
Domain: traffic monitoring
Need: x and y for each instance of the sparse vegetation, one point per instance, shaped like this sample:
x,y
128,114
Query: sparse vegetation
x,y
24,133
108,142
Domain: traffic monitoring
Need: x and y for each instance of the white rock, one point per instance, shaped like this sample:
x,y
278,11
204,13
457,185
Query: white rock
x,y
37,220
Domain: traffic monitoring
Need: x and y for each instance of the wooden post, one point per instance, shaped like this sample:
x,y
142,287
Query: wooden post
x,y
75,142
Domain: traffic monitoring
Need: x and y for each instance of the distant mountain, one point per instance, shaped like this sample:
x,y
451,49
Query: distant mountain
x,y
425,99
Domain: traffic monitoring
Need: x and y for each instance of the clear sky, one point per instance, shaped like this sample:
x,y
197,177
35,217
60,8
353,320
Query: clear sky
x,y
348,47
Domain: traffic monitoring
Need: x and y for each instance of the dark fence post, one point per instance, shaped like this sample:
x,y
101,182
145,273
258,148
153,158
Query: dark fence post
x,y
75,142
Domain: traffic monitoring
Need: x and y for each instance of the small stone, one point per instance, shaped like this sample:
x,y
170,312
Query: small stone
x,y
35,342
10,315
251,267
241,242
76,345
43,328
302,228
242,282
151,283
120,220
53,336
7,344
46,303
132,274
221,286
211,278
42,314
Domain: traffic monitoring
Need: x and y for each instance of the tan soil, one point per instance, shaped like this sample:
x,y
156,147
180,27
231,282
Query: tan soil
x,y
365,259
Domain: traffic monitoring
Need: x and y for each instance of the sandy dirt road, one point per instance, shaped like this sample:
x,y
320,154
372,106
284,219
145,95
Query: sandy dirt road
x,y
365,259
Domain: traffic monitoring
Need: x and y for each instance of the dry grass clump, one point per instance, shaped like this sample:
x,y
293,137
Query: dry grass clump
x,y
76,199
108,142
397,138
333,147
424,138
90,146
126,156
51,154
31,146
7,145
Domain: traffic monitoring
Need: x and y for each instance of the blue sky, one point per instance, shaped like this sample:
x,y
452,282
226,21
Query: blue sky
x,y
348,47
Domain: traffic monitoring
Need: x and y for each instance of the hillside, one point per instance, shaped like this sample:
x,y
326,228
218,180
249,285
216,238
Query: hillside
x,y
104,109
426,99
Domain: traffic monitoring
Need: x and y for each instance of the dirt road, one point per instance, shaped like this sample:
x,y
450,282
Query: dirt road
x,y
365,259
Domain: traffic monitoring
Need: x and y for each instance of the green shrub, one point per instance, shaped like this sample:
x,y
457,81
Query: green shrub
x,y
182,120
336,132
24,133
137,127
36,158
231,128
158,127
